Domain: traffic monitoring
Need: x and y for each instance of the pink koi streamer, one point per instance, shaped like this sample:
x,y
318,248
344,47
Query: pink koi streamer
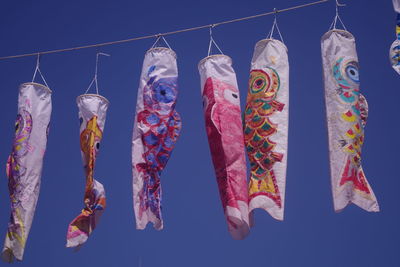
x,y
225,136
24,165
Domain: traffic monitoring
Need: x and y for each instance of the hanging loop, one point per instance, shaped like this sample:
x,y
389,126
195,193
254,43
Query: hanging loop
x,y
94,80
159,37
212,41
37,69
337,17
275,25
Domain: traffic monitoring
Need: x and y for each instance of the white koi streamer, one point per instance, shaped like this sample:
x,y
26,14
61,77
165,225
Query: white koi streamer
x,y
346,111
24,165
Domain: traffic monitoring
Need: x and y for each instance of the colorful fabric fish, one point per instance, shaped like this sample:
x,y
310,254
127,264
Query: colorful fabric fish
x,y
24,165
394,52
266,119
347,113
92,116
156,130
225,136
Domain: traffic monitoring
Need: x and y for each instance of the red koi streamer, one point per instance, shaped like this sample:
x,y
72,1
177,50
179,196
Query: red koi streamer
x,y
225,136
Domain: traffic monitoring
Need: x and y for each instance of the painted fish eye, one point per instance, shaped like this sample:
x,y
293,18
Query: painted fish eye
x,y
232,97
19,124
47,130
352,72
205,102
259,81
97,146
258,84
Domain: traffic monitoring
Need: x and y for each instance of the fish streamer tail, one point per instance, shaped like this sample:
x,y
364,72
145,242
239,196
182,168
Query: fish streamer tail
x,y
354,187
264,193
83,225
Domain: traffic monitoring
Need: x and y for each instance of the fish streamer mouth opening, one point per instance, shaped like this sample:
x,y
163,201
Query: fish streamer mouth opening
x,y
204,60
267,40
93,95
37,84
160,49
339,31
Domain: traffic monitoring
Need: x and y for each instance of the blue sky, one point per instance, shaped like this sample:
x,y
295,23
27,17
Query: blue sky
x,y
195,233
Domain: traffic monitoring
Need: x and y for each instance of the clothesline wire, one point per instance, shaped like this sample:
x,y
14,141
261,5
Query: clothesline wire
x,y
164,34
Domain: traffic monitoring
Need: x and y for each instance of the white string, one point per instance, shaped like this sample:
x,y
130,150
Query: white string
x,y
160,36
165,41
212,42
90,85
337,17
37,69
165,33
275,24
94,80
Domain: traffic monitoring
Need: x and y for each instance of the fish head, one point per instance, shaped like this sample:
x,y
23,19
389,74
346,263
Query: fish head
x,y
346,73
264,84
164,92
90,139
23,129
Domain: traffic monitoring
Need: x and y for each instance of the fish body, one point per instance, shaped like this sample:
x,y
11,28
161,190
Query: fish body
x,y
224,129
354,117
25,163
347,112
162,126
223,123
261,105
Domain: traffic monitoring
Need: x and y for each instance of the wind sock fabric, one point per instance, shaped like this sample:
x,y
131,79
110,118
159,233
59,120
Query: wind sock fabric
x,y
394,52
224,128
92,117
24,165
266,120
347,112
156,130
396,5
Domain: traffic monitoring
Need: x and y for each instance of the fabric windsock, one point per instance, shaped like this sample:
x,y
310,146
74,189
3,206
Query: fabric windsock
x,y
24,165
156,130
92,117
396,6
394,52
347,112
266,119
224,128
